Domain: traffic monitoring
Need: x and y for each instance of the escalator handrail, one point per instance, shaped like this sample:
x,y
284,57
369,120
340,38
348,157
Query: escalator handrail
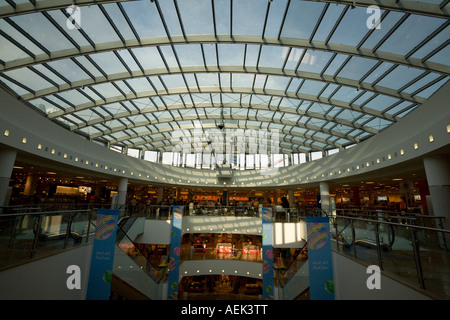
x,y
157,268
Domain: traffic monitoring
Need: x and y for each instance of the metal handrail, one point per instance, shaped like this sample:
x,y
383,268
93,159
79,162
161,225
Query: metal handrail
x,y
35,228
415,242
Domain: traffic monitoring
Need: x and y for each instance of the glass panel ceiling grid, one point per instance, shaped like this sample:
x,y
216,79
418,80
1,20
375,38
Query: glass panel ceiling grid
x,y
135,71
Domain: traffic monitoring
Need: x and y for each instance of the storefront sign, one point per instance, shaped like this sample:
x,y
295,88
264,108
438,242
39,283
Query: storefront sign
x,y
174,262
267,247
99,285
320,262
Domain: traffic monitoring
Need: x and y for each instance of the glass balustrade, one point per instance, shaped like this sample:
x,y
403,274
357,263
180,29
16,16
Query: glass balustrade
x,y
412,249
26,236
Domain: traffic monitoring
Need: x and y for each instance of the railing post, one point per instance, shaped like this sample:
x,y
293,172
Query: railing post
x,y
89,224
337,233
353,238
377,237
68,228
37,231
415,243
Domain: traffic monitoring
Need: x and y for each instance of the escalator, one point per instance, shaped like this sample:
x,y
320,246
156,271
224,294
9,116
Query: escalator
x,y
133,268
349,232
293,277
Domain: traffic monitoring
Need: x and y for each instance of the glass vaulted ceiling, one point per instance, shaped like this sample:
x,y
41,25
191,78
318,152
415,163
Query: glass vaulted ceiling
x,y
135,71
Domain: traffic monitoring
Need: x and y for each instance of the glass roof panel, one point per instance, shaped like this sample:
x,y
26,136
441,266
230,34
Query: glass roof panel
x,y
346,94
401,42
68,69
248,16
252,54
380,102
171,20
315,61
140,84
28,78
108,62
10,51
88,66
432,44
272,56
173,81
399,77
329,20
312,87
335,64
275,18
249,64
352,28
189,54
74,97
145,18
19,38
442,56
378,72
202,11
207,79
301,19
148,57
37,26
91,19
319,108
426,93
356,68
387,25
222,16
119,20
231,54
242,80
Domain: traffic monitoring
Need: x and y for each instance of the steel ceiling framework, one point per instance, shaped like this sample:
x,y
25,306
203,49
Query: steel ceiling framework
x,y
320,92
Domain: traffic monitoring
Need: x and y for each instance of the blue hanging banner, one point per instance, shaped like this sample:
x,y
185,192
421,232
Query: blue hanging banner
x,y
320,264
99,285
267,247
174,262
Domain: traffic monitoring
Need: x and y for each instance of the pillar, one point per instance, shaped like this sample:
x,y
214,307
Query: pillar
x,y
122,192
291,198
7,159
30,185
437,169
325,196
424,192
160,195
355,196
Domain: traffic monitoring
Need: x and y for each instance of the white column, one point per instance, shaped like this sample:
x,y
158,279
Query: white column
x,y
291,198
30,185
160,195
325,196
437,169
122,191
7,159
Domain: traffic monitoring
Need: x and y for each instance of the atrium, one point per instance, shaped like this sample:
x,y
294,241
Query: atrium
x,y
339,107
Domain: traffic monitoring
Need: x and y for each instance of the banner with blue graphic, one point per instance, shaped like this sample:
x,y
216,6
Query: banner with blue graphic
x,y
320,264
99,285
174,262
267,247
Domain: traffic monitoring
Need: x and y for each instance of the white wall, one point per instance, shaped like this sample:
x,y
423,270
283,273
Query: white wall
x,y
285,235
350,279
155,232
45,279
431,118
